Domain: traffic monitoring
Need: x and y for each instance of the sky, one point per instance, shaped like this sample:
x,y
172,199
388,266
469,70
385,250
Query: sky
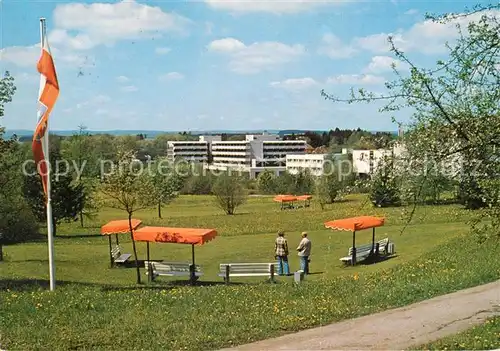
x,y
214,64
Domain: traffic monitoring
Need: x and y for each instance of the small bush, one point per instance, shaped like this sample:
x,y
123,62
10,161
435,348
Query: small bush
x,y
229,192
17,222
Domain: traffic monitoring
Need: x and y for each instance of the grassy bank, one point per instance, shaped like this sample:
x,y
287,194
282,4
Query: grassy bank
x,y
262,215
170,316
485,336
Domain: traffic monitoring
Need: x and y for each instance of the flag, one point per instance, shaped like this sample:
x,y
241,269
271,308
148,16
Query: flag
x,y
47,96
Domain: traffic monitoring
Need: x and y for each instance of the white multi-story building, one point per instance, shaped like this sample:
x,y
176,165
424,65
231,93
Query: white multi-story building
x,y
315,163
365,162
196,151
255,154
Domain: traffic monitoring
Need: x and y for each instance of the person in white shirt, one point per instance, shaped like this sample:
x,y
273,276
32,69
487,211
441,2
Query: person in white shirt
x,y
304,250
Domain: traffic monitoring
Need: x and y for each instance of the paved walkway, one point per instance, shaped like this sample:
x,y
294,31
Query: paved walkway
x,y
396,329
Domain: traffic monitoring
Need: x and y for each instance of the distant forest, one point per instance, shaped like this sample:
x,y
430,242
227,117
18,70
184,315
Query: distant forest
x,y
107,144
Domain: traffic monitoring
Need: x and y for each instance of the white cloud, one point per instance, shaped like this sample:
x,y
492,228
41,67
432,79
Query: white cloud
x,y
295,84
356,79
104,23
411,12
426,37
162,51
25,56
271,6
129,88
256,57
21,55
226,45
122,79
381,64
30,77
332,46
209,28
171,76
80,41
95,101
80,27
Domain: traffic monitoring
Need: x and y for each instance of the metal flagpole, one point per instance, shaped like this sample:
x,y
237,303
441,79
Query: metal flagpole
x,y
50,228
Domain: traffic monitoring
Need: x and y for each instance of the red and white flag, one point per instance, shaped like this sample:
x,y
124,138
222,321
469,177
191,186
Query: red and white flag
x,y
47,96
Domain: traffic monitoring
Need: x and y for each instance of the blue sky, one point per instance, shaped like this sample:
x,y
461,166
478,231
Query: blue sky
x,y
197,65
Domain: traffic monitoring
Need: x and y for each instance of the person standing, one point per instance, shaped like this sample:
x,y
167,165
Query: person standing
x,y
304,250
281,252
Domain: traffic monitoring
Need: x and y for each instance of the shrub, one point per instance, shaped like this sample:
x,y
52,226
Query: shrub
x,y
385,189
17,222
229,192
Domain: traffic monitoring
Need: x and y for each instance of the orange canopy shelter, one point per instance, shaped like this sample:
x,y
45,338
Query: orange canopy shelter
x,y
191,236
304,197
355,224
285,198
290,199
118,227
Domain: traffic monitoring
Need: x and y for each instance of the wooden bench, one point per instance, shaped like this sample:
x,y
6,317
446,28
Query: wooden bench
x,y
171,269
118,257
228,270
364,251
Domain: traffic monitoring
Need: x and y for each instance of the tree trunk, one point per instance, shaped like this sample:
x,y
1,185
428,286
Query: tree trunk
x,y
81,219
135,250
54,227
159,209
1,252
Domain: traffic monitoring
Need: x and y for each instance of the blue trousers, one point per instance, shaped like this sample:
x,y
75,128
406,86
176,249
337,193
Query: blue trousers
x,y
304,264
283,267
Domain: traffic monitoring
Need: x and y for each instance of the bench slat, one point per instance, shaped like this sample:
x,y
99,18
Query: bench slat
x,y
123,258
245,274
171,269
248,270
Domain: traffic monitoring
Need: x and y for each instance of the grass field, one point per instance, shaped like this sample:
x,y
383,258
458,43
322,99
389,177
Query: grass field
x,y
101,308
482,337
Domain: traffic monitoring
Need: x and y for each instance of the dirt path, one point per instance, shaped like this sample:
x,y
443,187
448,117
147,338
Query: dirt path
x,y
400,328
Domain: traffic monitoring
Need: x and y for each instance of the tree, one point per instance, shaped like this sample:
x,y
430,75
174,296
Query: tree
x,y
17,223
303,183
284,184
67,198
455,104
424,179
385,188
67,194
90,199
229,192
166,183
336,179
80,153
128,188
266,182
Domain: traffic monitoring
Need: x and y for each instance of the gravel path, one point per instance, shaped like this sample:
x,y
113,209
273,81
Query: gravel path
x,y
396,329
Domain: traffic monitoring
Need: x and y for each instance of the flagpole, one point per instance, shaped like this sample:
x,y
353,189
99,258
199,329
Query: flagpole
x,y
50,227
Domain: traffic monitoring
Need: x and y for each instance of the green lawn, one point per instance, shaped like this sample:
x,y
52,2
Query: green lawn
x,y
485,336
261,215
101,308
